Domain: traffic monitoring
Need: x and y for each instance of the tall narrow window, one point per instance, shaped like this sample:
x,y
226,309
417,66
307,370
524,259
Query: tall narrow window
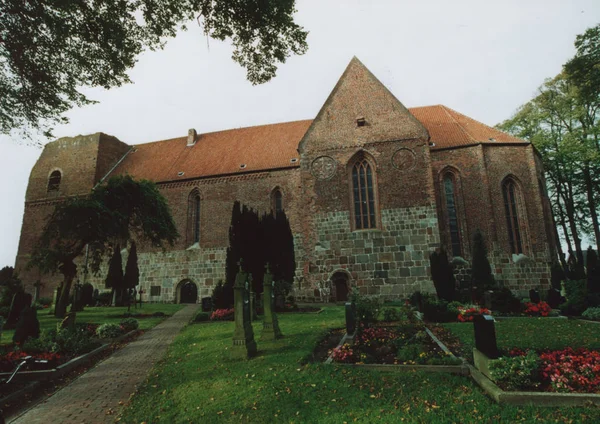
x,y
193,217
511,205
453,224
277,201
363,195
197,219
54,181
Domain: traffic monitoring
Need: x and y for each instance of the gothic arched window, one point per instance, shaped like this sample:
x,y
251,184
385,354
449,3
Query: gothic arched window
x,y
452,213
363,194
194,217
276,201
512,205
54,181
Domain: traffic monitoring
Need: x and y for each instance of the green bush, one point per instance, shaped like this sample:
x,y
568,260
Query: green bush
x,y
410,352
435,310
129,324
103,299
367,309
592,313
74,342
4,310
45,301
109,331
201,317
577,301
516,373
45,343
391,314
504,301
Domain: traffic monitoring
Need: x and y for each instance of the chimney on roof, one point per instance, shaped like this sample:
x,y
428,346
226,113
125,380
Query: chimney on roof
x,y
191,137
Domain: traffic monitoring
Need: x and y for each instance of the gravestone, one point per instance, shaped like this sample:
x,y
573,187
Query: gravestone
x,y
206,304
485,343
270,322
487,299
350,318
534,296
485,335
244,345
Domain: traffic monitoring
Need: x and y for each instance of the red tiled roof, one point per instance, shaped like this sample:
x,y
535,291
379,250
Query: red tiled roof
x,y
218,153
448,128
274,146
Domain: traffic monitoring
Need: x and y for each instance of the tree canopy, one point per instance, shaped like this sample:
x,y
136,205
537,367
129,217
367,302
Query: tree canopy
x,y
563,123
50,49
113,213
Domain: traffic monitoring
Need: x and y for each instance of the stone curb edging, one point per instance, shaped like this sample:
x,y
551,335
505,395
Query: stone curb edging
x,y
535,398
452,369
62,369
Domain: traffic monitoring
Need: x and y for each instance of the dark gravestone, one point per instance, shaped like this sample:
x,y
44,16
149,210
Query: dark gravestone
x,y
554,298
350,318
485,335
206,304
534,296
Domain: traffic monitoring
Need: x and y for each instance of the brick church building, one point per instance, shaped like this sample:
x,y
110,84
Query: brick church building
x,y
370,188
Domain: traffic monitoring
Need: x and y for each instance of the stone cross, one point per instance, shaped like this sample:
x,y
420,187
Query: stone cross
x,y
244,345
270,323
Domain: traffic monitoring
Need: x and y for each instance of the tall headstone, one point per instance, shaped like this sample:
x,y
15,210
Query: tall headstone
x,y
244,345
270,322
485,335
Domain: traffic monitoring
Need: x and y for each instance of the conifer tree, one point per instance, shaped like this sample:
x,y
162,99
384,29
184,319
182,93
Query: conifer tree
x,y
442,275
131,277
481,271
593,271
114,278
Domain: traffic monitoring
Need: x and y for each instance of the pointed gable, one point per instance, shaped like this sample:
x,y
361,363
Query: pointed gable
x,y
360,98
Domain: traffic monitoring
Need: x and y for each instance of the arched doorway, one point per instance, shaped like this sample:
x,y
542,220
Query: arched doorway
x,y
188,292
340,283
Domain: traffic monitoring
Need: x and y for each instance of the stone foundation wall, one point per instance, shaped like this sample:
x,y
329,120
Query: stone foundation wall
x,y
390,263
204,267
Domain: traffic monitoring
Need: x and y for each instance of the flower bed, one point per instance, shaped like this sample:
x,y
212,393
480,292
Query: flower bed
x,y
466,314
406,344
563,371
222,315
541,309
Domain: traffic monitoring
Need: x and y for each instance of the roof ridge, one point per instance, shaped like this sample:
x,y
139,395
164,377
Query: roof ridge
x,y
222,131
484,124
464,130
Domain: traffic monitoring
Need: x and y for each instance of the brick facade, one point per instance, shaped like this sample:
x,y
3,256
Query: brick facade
x,y
311,163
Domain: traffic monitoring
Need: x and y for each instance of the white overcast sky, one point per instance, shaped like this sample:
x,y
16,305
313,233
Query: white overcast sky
x,y
481,58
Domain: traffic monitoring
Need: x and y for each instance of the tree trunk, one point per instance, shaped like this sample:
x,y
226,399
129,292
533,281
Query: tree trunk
x,y
589,189
69,271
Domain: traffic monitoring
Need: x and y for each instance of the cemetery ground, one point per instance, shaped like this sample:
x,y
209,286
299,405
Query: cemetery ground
x,y
102,315
198,381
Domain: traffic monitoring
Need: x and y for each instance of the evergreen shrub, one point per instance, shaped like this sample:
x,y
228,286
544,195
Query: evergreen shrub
x,y
129,324
109,331
576,294
592,314
201,317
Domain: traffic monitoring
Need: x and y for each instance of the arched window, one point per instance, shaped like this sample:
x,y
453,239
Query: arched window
x,y
512,205
452,214
194,216
276,201
54,181
363,194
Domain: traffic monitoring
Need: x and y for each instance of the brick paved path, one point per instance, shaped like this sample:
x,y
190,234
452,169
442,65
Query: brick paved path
x,y
94,397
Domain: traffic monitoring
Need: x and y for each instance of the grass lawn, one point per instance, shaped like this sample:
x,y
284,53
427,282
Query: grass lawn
x,y
535,333
198,382
101,315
